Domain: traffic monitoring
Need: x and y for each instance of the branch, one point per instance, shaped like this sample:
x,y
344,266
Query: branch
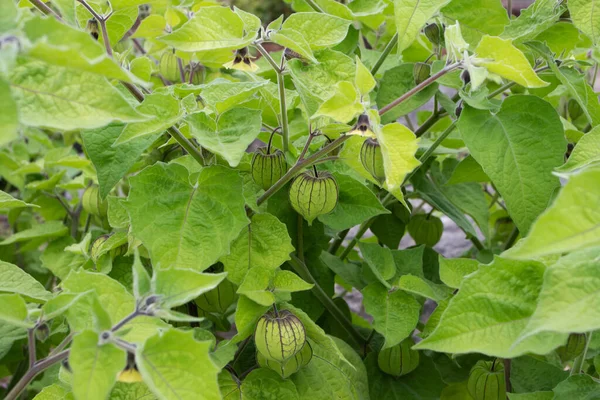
x,y
40,5
31,347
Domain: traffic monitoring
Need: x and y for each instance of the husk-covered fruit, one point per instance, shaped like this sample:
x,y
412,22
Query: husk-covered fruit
x,y
425,229
574,347
372,159
435,33
486,381
279,336
421,72
92,203
399,360
169,66
268,168
314,195
219,299
575,110
289,367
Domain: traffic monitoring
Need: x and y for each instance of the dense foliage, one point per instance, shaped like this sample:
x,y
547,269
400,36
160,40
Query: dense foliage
x,y
188,193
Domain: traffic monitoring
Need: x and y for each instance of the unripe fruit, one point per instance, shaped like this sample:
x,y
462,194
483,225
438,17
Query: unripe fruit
x,y
278,337
575,110
312,195
435,33
425,229
421,72
96,246
197,74
574,347
399,360
219,299
92,203
486,381
169,66
372,159
289,367
268,168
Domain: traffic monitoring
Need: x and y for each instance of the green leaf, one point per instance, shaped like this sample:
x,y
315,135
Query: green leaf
x,y
263,383
9,17
586,151
423,287
320,30
570,223
294,41
66,99
395,313
287,281
150,27
453,270
131,391
55,391
495,301
7,202
585,18
142,282
525,125
112,162
255,286
247,314
538,17
48,230
229,135
186,225
508,61
14,280
265,243
210,28
363,80
396,82
223,95
175,366
60,304
356,204
581,91
490,18
530,374
9,119
59,261
349,272
343,106
13,310
380,261
411,15
467,170
95,366
179,286
577,387
61,45
398,146
165,110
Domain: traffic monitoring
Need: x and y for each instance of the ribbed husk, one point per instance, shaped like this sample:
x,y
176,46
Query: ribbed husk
x,y
399,360
425,229
268,168
486,381
434,33
372,159
219,299
421,72
92,203
574,347
96,245
287,368
312,196
279,338
169,67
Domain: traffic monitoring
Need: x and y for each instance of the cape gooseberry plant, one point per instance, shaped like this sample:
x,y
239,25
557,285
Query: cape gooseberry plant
x,y
189,193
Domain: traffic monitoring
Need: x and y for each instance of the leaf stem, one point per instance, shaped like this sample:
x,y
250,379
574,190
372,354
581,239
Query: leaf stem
x,y
300,240
302,270
314,6
33,372
578,363
386,51
335,245
507,365
362,229
43,7
285,131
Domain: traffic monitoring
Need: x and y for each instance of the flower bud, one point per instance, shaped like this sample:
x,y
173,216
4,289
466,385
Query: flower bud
x,y
372,159
92,28
42,332
434,33
92,203
278,337
399,360
268,168
574,347
486,381
425,229
130,374
219,299
465,76
314,195
362,127
421,72
169,66
289,367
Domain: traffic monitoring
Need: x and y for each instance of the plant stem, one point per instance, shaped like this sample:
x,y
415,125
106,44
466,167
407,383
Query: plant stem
x,y
359,234
431,149
302,270
125,320
386,51
429,122
31,347
578,363
419,87
507,364
285,132
300,240
335,245
33,372
267,57
511,239
508,85
181,70
105,38
314,6
509,8
43,7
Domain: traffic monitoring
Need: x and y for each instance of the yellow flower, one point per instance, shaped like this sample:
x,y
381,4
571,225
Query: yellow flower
x,y
242,61
362,127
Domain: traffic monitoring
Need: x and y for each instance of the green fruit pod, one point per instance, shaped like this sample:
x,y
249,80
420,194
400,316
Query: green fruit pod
x,y
399,360
372,159
314,195
169,66
92,203
434,33
574,347
575,110
219,299
425,229
486,381
421,72
96,246
268,168
279,336
287,368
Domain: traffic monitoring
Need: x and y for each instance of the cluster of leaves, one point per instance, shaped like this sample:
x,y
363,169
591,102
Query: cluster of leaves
x,y
139,250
